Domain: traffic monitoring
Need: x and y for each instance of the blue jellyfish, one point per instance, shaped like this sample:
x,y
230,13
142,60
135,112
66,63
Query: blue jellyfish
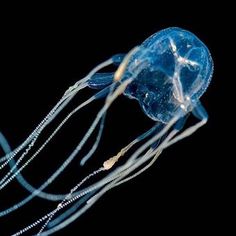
x,y
167,74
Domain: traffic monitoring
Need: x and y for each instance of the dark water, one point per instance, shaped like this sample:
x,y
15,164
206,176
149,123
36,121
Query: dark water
x,y
43,55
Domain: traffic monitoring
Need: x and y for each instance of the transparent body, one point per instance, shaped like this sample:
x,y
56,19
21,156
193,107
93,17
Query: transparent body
x,y
167,74
172,65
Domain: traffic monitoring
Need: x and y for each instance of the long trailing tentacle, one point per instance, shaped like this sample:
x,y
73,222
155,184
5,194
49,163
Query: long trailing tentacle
x,y
110,98
121,178
122,152
27,185
30,141
69,94
56,174
74,208
61,104
68,197
7,180
116,175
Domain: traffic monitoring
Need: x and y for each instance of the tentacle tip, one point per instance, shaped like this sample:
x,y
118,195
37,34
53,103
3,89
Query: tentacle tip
x,y
82,163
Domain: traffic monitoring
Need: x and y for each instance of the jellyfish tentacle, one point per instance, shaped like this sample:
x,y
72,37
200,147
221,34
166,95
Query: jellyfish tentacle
x,y
110,98
68,196
48,196
151,152
64,204
140,160
30,140
146,134
135,160
110,182
200,113
70,93
141,170
35,133
69,211
60,225
181,122
100,80
96,143
155,138
118,58
137,153
67,97
72,89
111,161
4,144
124,63
5,180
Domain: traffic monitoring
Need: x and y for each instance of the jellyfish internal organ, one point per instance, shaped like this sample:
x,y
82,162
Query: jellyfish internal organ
x,y
167,74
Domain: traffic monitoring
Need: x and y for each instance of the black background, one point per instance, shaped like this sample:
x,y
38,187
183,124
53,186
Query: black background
x,y
45,51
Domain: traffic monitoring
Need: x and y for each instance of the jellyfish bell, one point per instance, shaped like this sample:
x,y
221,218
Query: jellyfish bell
x,y
172,68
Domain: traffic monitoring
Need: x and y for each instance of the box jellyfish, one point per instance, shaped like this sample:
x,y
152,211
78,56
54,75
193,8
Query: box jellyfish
x,y
167,74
